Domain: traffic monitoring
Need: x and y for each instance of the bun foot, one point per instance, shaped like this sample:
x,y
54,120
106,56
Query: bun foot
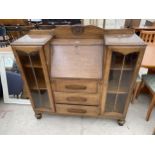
x,y
121,122
38,116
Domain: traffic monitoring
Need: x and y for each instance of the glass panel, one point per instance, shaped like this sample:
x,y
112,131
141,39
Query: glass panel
x,y
110,102
120,78
120,104
36,98
130,60
30,77
117,60
114,77
125,81
45,99
40,78
33,71
35,59
40,98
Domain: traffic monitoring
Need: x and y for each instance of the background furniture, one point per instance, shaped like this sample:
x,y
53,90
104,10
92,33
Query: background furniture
x,y
149,82
61,21
15,32
148,59
136,87
4,38
148,23
148,36
7,53
14,22
15,84
83,71
138,29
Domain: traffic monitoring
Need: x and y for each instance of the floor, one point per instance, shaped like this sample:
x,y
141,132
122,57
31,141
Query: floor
x,y
19,119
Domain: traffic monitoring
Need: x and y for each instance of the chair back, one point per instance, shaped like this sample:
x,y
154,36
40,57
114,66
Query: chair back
x,y
148,36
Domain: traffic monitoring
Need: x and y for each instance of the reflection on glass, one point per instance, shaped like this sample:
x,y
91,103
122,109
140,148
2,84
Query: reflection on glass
x,y
14,80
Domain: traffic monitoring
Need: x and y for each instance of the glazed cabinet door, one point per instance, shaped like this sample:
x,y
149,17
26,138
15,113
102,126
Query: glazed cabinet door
x,y
32,64
122,67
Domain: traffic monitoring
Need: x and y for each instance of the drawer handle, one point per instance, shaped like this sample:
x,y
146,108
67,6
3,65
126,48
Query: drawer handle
x,y
75,87
79,99
77,110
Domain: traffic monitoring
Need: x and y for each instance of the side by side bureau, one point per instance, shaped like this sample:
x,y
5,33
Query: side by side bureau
x,y
80,70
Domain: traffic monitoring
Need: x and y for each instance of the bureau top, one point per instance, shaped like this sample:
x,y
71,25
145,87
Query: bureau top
x,y
123,39
32,40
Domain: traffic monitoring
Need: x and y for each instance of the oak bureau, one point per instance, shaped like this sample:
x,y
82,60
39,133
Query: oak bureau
x,y
80,70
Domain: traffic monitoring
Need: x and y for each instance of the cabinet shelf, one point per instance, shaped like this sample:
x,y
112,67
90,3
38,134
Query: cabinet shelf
x,y
34,66
35,63
115,90
119,67
126,69
41,85
40,88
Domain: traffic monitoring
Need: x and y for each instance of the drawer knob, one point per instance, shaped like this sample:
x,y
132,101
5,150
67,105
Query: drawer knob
x,y
78,99
75,87
77,110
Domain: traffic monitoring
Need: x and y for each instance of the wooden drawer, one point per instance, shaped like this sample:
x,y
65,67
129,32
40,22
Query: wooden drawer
x,y
77,109
77,98
81,86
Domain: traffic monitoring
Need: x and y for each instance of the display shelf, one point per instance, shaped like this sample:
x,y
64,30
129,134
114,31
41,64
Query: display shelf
x,y
127,69
35,65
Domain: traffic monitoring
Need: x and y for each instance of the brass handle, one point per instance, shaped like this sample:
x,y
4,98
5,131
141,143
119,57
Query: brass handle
x,y
75,87
77,110
79,99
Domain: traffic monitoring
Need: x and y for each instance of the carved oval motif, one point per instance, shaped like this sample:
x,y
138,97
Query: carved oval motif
x,y
77,30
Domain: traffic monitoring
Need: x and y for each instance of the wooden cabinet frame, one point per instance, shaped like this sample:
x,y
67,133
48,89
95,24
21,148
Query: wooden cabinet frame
x,y
40,51
125,50
77,93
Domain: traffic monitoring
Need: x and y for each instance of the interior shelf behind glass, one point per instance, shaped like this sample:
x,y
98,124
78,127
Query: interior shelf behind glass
x,y
117,61
32,57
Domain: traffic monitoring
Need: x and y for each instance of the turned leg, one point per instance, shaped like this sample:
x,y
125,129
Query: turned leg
x,y
151,106
141,85
135,91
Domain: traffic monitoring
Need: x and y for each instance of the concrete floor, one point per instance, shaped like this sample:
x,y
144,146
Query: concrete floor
x,y
19,119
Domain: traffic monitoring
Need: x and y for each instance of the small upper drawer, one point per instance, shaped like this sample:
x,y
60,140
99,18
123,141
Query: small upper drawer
x,y
81,86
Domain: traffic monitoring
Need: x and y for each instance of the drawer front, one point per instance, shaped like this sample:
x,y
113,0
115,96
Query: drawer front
x,y
77,109
77,98
80,86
